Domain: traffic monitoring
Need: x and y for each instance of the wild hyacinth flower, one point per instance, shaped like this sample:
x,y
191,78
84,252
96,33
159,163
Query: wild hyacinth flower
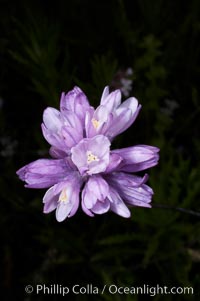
x,y
84,169
111,118
77,119
65,128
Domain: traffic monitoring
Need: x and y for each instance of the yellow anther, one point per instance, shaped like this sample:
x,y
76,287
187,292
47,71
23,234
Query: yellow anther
x,y
95,123
91,157
63,195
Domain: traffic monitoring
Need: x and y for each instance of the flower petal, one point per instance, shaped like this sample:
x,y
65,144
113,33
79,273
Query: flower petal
x,y
91,155
56,153
104,94
86,210
140,196
114,162
95,121
68,202
101,207
96,189
120,123
51,119
112,100
75,101
63,210
137,158
98,186
50,200
131,188
54,139
122,179
71,119
71,136
117,205
130,103
43,173
88,198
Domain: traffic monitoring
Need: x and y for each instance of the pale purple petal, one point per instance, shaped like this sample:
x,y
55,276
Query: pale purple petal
x,y
122,121
96,189
51,197
69,101
101,207
97,121
63,210
86,210
56,153
75,101
111,101
117,205
44,167
101,114
43,173
131,188
111,117
119,124
88,197
106,125
104,94
150,147
88,122
72,120
71,136
91,155
79,156
51,127
55,124
51,205
140,196
130,103
94,195
51,119
50,200
54,139
122,179
114,162
137,158
133,117
122,115
71,179
75,206
68,201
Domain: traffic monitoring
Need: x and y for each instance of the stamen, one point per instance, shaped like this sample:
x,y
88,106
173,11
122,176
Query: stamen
x,y
63,195
95,123
91,157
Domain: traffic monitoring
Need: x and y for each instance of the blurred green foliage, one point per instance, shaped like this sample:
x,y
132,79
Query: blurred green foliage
x,y
48,48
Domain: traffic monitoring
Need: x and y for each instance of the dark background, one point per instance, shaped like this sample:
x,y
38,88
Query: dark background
x,y
48,47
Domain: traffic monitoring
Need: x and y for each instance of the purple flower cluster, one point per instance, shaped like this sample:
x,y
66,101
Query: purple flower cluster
x,y
83,168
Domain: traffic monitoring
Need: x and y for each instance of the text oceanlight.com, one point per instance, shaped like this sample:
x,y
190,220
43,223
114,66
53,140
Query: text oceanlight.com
x,y
112,289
